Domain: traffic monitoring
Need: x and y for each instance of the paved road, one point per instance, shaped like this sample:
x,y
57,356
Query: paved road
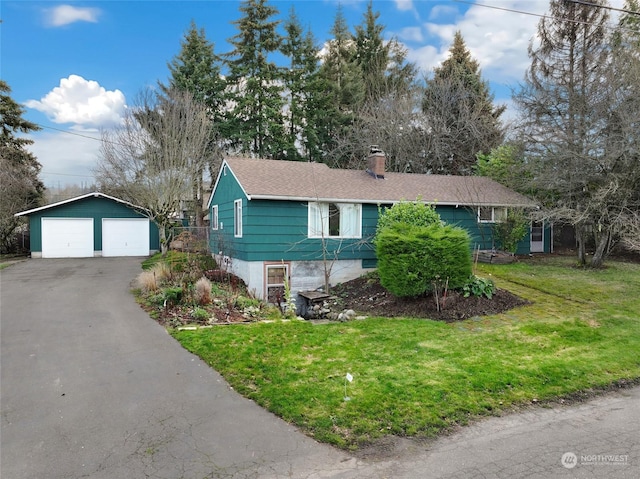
x,y
91,387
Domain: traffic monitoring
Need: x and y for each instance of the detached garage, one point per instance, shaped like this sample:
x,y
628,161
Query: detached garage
x,y
90,225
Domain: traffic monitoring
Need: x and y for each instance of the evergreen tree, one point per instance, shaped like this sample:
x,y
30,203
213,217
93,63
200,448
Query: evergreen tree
x,y
21,188
306,96
382,63
459,113
196,69
506,164
565,105
254,124
626,37
345,87
371,53
341,68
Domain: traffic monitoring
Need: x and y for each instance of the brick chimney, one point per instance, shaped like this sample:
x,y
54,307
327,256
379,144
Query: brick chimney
x,y
376,162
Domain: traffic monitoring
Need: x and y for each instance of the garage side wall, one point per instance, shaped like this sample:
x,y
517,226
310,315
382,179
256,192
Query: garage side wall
x,y
93,207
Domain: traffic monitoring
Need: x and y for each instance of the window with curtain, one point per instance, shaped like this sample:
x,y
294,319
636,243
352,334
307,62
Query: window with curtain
x,y
335,220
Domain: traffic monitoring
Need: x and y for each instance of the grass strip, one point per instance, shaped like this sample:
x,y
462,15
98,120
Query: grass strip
x,y
419,377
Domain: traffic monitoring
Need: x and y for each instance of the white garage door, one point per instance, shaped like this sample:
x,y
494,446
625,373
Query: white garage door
x,y
125,237
67,237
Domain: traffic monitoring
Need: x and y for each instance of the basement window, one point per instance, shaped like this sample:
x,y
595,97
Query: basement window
x,y
275,276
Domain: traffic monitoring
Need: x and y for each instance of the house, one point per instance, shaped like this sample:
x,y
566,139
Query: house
x,y
272,220
90,225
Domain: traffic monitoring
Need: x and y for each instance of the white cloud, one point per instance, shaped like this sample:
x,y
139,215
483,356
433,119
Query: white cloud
x,y
81,102
497,38
66,159
404,5
411,34
442,11
426,57
66,14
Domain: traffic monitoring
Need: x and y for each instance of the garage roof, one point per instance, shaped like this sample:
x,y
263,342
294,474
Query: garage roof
x,y
95,194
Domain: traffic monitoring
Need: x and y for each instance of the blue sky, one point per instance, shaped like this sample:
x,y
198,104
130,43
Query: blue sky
x,y
75,65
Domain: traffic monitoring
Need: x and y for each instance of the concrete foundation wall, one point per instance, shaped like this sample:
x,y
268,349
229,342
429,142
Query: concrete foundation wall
x,y
305,275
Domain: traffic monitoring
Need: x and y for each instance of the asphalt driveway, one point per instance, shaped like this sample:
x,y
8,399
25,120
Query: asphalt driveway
x,y
91,387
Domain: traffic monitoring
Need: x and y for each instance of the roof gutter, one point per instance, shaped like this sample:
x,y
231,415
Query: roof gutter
x,y
380,201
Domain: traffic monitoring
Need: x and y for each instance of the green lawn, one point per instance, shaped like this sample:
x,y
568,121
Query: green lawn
x,y
419,377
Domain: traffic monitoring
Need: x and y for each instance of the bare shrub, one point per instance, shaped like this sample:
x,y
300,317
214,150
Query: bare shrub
x,y
202,292
147,281
162,272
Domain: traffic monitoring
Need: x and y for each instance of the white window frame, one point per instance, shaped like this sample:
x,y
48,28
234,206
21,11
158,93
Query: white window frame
x,y
237,218
267,285
214,217
498,214
318,220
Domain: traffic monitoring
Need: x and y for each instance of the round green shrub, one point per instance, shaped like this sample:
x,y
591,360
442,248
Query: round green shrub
x,y
200,314
172,295
412,213
411,258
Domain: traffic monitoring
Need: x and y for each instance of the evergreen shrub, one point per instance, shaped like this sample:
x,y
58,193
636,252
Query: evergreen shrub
x,y
412,213
411,258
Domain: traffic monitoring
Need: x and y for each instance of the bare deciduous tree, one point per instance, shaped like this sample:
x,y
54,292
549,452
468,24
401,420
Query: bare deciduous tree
x,y
562,89
395,123
150,159
418,141
580,113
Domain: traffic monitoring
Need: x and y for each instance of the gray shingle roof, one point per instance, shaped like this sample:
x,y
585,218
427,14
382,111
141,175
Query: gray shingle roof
x,y
302,181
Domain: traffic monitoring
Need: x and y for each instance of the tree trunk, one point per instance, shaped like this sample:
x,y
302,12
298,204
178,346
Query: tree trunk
x,y
582,255
164,244
197,199
598,257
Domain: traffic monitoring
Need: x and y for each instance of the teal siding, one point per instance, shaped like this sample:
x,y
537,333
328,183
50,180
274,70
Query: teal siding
x,y
277,230
91,207
481,234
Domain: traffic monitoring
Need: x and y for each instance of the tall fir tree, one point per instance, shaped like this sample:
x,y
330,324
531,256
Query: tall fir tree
x,y
345,87
564,105
383,64
459,112
197,70
21,188
305,90
371,53
626,36
254,123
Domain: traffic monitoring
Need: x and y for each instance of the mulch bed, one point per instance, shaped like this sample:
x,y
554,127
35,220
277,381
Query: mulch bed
x,y
366,295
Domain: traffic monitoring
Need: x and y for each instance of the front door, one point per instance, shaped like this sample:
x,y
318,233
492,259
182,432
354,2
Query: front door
x,y
537,237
